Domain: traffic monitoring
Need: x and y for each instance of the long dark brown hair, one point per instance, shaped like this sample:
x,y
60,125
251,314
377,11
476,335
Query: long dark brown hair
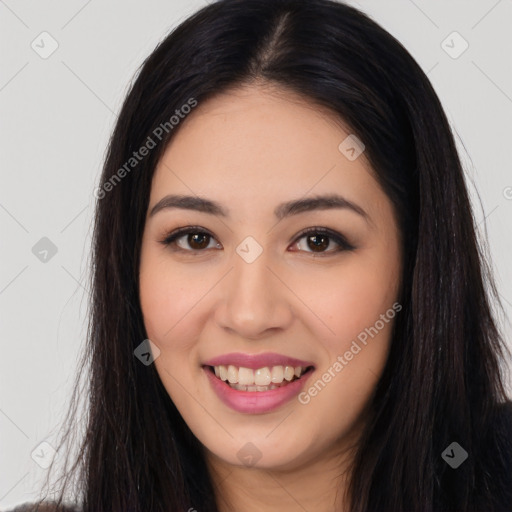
x,y
443,382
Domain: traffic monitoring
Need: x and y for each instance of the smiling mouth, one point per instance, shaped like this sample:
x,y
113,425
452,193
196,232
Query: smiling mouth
x,y
261,379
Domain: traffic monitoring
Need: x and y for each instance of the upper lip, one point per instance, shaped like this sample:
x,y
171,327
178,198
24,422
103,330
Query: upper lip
x,y
256,361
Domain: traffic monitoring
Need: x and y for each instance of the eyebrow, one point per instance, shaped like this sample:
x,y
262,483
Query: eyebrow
x,y
294,207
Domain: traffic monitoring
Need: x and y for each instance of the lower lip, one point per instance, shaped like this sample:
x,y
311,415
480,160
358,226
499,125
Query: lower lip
x,y
256,402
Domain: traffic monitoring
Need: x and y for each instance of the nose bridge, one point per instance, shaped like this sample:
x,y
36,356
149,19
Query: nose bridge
x,y
250,278
253,300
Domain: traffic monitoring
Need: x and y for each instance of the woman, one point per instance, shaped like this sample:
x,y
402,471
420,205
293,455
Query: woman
x,y
290,310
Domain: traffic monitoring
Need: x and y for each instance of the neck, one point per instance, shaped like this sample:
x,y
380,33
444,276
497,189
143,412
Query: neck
x,y
319,485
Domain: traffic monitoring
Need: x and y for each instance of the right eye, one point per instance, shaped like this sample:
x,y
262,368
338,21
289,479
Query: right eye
x,y
190,239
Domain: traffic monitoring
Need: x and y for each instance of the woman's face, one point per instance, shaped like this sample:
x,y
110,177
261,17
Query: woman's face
x,y
288,264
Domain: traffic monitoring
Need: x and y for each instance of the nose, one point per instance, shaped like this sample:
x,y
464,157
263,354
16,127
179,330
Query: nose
x,y
254,302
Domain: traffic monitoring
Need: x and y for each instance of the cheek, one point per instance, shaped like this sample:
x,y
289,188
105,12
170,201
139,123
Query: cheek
x,y
169,297
356,302
350,297
170,302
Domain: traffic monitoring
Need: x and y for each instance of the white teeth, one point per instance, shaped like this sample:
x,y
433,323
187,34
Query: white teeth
x,y
289,372
261,379
232,374
277,374
245,376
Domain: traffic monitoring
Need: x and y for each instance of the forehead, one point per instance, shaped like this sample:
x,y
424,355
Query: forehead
x,y
255,142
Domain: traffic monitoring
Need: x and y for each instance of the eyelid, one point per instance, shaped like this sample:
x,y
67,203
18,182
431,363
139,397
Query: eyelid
x,y
338,238
333,235
185,230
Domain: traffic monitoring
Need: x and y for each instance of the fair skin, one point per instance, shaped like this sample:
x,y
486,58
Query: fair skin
x,y
250,150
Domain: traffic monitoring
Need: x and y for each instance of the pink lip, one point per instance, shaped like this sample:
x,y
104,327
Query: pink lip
x,y
256,402
256,361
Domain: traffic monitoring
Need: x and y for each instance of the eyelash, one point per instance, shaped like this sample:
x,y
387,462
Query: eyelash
x,y
339,239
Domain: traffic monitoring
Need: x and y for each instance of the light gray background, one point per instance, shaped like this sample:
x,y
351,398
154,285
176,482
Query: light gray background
x,y
56,117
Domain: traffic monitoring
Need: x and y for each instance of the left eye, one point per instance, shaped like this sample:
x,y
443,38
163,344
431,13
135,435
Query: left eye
x,y
320,240
317,240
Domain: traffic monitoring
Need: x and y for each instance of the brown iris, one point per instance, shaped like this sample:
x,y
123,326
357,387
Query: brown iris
x,y
317,243
198,240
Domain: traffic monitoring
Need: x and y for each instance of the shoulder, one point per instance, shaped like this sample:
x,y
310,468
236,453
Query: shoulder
x,y
43,507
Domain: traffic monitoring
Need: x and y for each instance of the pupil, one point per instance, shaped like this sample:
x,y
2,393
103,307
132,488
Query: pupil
x,y
198,240
319,242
